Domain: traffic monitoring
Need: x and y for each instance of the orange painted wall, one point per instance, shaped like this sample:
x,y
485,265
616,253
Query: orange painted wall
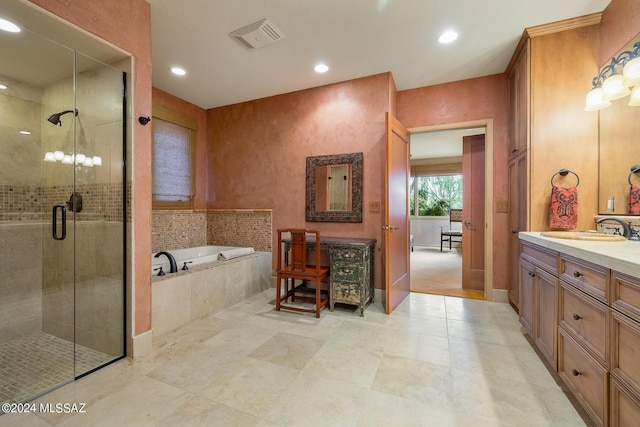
x,y
127,25
258,150
178,105
620,24
467,100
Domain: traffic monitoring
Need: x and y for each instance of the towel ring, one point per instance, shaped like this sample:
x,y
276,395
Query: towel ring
x,y
634,169
565,172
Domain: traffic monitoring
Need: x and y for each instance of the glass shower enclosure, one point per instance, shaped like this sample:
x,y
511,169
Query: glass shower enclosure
x,y
62,215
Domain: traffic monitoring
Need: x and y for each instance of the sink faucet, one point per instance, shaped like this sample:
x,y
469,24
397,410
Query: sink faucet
x,y
625,226
173,267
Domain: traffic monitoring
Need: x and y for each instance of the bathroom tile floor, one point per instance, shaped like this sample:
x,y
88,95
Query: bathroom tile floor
x,y
435,361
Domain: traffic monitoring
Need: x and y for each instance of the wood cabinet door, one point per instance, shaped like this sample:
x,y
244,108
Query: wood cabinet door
x,y
546,318
527,295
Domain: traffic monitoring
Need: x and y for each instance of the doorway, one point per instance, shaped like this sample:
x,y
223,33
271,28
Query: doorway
x,y
63,223
444,275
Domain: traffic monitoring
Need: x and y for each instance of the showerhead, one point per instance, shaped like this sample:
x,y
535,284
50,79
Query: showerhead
x,y
55,118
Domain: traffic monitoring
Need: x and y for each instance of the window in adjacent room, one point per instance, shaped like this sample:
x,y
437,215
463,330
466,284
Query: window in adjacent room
x,y
434,195
173,165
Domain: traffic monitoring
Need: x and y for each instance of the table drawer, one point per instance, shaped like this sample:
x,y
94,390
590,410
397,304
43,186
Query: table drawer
x,y
348,292
590,278
543,258
586,320
347,254
587,379
625,349
625,405
625,294
349,272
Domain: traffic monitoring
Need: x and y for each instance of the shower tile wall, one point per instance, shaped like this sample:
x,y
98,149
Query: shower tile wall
x,y
38,293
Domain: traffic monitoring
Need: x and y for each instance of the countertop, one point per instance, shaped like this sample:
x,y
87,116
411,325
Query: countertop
x,y
619,256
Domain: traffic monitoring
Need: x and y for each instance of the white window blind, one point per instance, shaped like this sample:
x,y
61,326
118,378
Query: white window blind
x,y
172,163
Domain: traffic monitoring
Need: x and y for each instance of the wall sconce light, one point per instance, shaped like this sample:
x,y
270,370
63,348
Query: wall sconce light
x,y
610,84
70,159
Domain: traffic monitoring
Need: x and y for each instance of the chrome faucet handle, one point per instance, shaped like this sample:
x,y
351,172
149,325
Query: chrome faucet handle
x,y
634,232
616,230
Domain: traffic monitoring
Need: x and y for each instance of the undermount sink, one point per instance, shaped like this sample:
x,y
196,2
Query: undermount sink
x,y
581,235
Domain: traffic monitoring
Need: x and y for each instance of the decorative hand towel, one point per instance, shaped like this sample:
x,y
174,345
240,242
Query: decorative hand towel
x,y
563,212
634,200
235,253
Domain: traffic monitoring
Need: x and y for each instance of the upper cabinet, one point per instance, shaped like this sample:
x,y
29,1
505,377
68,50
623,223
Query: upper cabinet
x,y
519,101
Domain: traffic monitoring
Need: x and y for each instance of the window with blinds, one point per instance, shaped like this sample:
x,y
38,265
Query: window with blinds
x,y
173,174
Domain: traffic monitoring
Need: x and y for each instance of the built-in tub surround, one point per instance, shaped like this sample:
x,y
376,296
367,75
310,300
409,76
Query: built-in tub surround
x,y
190,256
181,229
206,288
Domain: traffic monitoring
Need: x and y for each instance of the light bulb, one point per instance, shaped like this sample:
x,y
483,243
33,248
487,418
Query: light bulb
x,y
631,73
80,158
58,155
634,100
88,162
97,161
595,100
49,157
68,159
613,88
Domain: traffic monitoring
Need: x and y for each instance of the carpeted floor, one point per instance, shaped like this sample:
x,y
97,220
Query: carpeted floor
x,y
435,272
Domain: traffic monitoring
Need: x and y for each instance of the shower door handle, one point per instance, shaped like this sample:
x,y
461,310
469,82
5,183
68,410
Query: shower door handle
x,y
54,220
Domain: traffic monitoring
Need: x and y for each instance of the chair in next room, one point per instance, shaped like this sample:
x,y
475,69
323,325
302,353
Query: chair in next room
x,y
452,231
294,266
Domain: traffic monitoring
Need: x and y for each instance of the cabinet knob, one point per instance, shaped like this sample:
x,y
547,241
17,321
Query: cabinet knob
x,y
575,372
576,316
532,274
577,274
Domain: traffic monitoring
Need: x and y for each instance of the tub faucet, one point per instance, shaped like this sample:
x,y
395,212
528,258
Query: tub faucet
x,y
173,267
625,226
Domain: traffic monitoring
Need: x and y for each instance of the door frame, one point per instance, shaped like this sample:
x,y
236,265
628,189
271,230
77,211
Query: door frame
x,y
488,192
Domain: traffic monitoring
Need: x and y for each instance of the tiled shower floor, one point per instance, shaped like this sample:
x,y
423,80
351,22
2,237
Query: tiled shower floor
x,y
33,364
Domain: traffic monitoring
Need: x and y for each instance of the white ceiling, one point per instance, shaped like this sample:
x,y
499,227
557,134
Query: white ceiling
x,y
356,38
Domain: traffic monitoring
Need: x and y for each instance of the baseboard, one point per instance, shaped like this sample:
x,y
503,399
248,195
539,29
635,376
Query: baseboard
x,y
140,345
501,295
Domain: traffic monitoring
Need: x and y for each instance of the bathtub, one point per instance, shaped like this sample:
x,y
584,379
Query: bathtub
x,y
209,286
192,256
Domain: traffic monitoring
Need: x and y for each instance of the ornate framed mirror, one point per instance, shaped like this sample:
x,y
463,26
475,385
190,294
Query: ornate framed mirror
x,y
334,188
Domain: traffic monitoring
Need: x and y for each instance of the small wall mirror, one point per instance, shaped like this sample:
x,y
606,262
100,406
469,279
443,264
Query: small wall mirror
x,y
334,188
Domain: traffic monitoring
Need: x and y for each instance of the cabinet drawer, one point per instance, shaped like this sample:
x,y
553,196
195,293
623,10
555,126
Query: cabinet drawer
x,y
342,271
587,277
348,292
586,320
625,294
587,379
625,349
346,254
625,405
541,257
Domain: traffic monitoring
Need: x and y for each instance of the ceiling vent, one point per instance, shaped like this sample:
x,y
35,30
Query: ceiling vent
x,y
258,34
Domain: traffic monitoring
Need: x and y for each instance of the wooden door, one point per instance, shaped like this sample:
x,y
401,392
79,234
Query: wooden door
x,y
473,213
395,234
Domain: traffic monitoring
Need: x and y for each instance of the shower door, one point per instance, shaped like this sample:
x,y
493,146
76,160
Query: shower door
x,y
62,223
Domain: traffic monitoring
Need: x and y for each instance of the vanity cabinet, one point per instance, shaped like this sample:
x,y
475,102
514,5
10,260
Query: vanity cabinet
x,y
538,298
598,329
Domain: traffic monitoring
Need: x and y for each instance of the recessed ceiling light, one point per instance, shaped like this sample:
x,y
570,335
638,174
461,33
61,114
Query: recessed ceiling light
x,y
321,68
2,87
25,132
447,37
8,26
178,71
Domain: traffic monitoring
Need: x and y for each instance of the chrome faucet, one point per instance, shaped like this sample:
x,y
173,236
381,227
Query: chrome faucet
x,y
173,267
625,226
